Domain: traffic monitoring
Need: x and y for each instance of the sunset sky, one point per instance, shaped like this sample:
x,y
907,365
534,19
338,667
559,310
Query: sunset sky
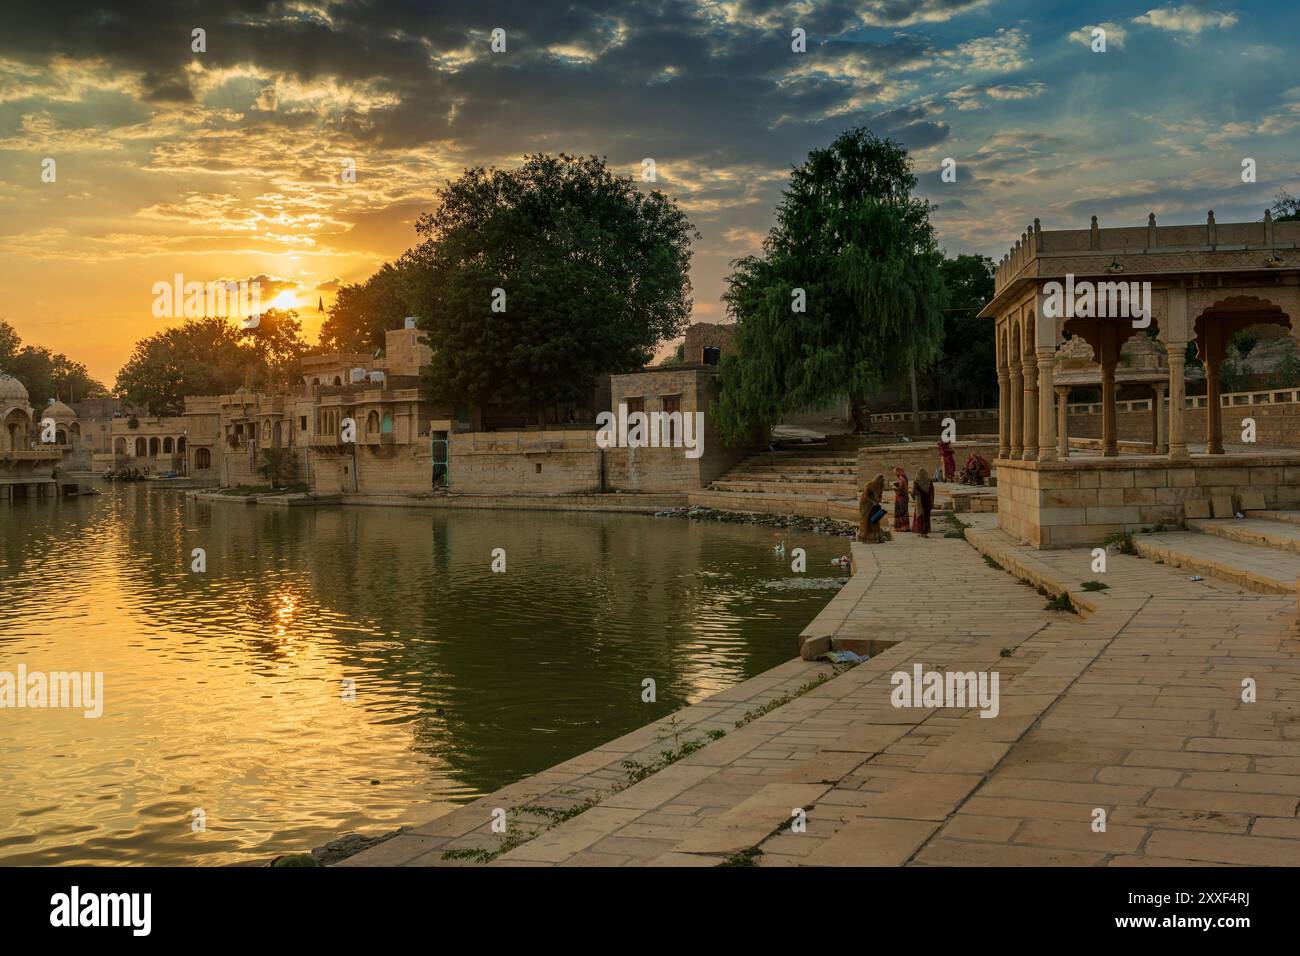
x,y
226,164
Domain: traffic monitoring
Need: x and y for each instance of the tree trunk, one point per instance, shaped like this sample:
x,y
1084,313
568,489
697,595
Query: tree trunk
x,y
861,414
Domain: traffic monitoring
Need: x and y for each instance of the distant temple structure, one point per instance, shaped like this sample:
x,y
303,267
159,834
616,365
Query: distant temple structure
x,y
1174,285
27,465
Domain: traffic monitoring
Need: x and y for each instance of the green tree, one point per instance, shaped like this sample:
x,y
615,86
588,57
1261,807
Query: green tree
x,y
277,343
1287,207
277,466
202,357
593,274
44,374
850,236
363,312
961,376
9,343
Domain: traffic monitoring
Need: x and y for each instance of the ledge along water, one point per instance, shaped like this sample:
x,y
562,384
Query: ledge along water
x,y
226,692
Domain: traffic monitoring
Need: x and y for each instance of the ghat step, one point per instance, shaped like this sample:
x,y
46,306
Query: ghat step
x,y
1255,567
1266,532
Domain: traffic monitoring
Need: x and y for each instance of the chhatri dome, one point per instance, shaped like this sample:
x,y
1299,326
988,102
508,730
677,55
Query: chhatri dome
x,y
12,391
59,412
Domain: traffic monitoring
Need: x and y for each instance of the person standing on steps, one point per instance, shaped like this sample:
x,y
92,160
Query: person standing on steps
x,y
923,491
901,521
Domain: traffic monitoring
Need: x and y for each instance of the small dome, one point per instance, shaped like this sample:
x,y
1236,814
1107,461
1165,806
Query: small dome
x,y
59,412
12,390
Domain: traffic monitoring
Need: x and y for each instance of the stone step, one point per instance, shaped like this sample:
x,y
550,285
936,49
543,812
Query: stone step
x,y
1255,567
793,468
822,491
810,506
1292,517
793,474
1280,535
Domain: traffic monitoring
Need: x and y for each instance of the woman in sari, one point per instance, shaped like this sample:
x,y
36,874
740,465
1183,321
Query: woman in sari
x,y
923,489
901,522
949,460
870,510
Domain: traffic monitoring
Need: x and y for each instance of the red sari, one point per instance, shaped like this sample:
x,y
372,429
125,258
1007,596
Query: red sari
x,y
900,502
949,461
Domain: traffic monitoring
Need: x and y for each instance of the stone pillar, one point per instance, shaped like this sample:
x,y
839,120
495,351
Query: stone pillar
x,y
1030,398
1046,411
1017,407
1109,428
1063,421
1004,411
1177,398
1213,390
1158,437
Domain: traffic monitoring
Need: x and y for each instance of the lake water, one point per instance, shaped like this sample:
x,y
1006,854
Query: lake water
x,y
225,691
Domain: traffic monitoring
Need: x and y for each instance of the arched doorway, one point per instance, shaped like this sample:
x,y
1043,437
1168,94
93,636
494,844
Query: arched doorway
x,y
1217,333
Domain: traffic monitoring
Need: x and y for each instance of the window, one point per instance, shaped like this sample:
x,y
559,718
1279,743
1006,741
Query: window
x,y
635,404
203,458
671,404
302,423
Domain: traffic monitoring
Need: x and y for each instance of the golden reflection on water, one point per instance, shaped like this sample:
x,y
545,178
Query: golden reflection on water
x,y
225,691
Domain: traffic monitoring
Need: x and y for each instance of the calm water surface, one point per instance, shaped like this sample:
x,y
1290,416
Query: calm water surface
x,y
223,689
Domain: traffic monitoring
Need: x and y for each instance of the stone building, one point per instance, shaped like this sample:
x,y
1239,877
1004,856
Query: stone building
x,y
153,443
26,464
1197,284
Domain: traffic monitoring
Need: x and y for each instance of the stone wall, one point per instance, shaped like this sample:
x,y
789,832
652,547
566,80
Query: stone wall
x,y
702,334
1074,504
372,470
559,462
1274,424
883,459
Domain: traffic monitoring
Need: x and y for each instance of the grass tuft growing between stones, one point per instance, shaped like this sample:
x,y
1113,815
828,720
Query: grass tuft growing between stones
x,y
1095,586
1061,602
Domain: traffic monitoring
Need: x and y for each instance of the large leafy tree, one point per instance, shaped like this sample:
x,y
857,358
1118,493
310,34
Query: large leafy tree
x,y
362,312
962,375
277,343
202,357
45,374
593,273
850,235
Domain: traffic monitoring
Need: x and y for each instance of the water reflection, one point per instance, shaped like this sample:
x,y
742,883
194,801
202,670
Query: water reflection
x,y
225,690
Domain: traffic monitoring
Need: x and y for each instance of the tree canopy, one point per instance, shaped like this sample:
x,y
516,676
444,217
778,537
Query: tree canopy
x,y
1287,207
364,311
44,374
530,282
853,239
962,375
210,356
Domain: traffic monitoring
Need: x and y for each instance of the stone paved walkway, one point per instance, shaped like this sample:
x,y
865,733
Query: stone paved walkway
x,y
1133,708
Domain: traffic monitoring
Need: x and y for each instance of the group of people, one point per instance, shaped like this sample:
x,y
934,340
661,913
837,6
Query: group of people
x,y
871,507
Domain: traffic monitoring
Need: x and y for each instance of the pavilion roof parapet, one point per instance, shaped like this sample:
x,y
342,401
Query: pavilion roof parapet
x,y
1037,243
